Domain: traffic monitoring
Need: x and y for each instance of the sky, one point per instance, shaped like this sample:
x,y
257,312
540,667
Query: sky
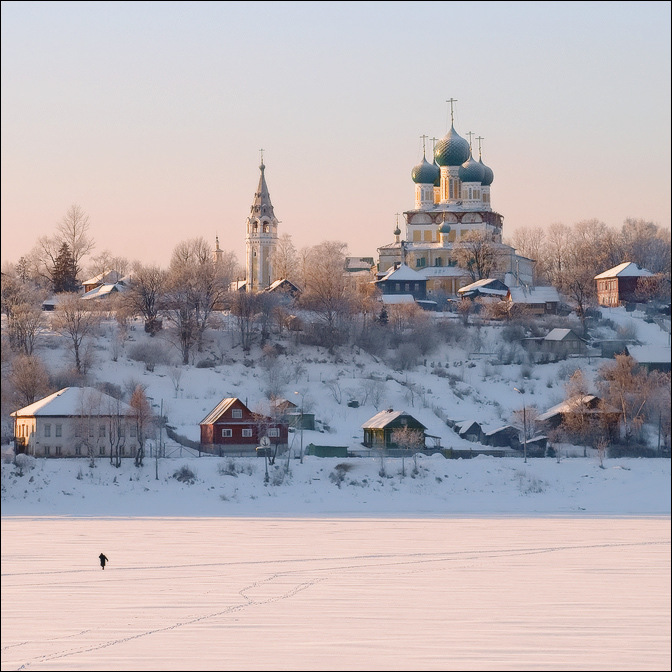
x,y
151,115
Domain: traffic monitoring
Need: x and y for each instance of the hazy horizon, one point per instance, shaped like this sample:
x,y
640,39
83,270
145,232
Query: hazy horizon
x,y
150,116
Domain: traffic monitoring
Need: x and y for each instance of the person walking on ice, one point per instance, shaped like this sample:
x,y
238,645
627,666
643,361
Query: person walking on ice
x,y
103,560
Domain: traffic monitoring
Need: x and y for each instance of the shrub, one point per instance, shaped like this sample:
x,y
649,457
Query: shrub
x,y
185,475
337,476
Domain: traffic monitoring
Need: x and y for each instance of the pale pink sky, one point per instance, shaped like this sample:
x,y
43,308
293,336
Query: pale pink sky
x,y
150,116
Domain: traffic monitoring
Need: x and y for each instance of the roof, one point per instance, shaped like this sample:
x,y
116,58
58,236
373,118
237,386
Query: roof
x,y
534,295
402,273
278,283
218,410
69,402
384,418
397,298
560,335
570,404
101,291
442,272
626,269
485,286
106,277
650,354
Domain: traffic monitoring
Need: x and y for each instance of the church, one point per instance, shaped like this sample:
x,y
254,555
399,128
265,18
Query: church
x,y
452,206
452,210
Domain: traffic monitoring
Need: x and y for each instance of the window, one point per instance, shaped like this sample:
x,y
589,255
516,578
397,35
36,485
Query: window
x,y
58,450
132,430
59,430
237,413
47,430
227,433
417,286
247,433
90,431
407,287
47,450
102,451
274,431
101,431
123,451
78,450
397,287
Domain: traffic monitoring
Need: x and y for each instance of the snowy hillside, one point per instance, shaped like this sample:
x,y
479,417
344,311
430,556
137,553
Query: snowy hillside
x,y
465,378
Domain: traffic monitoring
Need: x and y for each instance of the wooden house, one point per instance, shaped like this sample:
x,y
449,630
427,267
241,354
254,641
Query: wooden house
x,y
563,342
489,288
619,284
403,280
379,430
589,404
535,300
232,428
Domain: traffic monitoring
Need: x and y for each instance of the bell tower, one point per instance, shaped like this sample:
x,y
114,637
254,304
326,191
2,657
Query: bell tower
x,y
261,237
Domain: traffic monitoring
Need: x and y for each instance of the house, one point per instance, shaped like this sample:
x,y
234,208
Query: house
x,y
590,404
469,430
490,288
379,430
507,436
535,300
619,284
232,428
358,264
292,414
102,292
284,288
402,280
651,357
563,342
105,278
75,422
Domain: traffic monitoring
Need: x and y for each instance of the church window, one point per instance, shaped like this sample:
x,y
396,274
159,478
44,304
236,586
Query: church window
x,y
428,236
416,236
438,261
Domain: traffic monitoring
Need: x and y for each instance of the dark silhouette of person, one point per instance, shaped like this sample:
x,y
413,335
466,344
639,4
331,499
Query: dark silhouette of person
x,y
103,560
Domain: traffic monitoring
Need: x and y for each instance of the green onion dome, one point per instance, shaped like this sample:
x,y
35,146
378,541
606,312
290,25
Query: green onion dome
x,y
472,170
444,228
489,175
425,172
452,149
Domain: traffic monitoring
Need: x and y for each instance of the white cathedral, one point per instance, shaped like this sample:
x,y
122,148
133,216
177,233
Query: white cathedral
x,y
452,198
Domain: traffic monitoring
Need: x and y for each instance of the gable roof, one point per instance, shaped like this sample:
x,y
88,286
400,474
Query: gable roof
x,y
384,418
570,404
626,269
69,402
401,274
220,409
279,284
558,334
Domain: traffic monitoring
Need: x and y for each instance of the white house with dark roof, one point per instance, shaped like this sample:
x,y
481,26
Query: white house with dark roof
x,y
75,422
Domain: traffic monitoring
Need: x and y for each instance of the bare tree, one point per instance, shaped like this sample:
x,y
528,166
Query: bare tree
x,y
477,253
30,378
72,230
578,421
409,440
145,295
284,259
76,322
326,290
142,416
245,306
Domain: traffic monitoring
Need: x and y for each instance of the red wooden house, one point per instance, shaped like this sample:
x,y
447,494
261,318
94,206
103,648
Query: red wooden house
x,y
232,428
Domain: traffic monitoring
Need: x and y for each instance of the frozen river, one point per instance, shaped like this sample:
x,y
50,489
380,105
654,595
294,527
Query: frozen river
x,y
336,594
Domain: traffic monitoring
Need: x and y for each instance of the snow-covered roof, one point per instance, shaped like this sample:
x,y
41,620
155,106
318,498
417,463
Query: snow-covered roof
x,y
106,277
559,334
651,354
485,285
534,294
69,402
401,274
217,411
397,298
570,404
384,418
626,269
101,291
